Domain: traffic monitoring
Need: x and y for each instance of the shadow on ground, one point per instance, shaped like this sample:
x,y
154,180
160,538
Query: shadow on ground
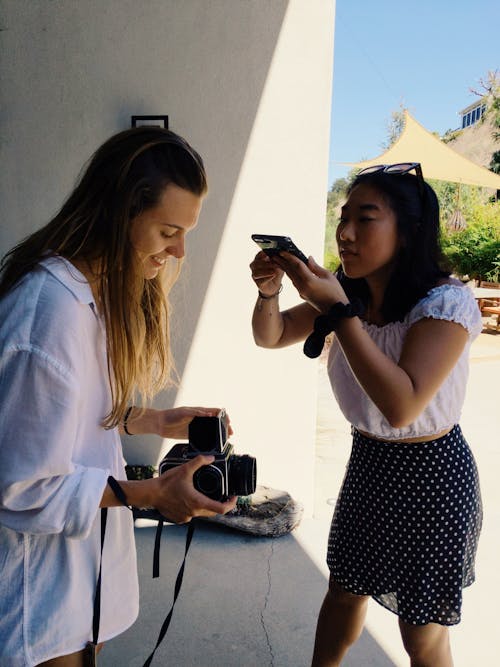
x,y
245,602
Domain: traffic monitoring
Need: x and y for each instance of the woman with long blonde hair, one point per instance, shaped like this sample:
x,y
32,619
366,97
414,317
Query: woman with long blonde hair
x,y
84,327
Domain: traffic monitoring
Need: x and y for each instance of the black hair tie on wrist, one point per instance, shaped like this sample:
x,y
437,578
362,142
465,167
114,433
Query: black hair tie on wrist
x,y
325,324
125,420
118,491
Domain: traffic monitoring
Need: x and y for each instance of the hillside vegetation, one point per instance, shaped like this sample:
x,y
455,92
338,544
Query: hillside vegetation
x,y
470,216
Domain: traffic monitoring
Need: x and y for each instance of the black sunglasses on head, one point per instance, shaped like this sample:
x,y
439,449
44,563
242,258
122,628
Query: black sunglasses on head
x,y
399,168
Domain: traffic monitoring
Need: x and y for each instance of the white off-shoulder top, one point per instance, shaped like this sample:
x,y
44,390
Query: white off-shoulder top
x,y
452,302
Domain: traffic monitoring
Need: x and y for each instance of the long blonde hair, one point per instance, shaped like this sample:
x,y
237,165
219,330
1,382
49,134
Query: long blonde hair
x,y
125,177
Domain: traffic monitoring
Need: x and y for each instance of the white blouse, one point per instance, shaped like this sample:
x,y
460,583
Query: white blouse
x,y
55,459
451,302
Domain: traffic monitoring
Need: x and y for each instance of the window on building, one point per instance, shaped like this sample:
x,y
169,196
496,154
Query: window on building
x,y
472,116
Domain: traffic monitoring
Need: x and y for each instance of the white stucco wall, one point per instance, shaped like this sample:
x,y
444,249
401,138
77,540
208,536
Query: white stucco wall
x,y
248,83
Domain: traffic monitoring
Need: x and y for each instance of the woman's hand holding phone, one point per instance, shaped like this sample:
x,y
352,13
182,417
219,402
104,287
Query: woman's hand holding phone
x,y
272,245
266,274
315,284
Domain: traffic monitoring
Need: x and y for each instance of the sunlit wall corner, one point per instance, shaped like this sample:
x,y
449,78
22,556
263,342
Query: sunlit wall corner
x,y
271,394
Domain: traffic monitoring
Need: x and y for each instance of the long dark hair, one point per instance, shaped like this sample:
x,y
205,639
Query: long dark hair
x,y
126,176
419,265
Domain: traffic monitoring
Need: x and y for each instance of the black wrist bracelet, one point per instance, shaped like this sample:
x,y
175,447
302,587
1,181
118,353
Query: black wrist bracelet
x,y
118,491
325,324
125,419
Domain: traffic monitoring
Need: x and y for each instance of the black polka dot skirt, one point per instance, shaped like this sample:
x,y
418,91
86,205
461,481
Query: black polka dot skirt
x,y
406,526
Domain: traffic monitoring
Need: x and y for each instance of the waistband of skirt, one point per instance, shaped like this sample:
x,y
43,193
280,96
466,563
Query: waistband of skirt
x,y
456,431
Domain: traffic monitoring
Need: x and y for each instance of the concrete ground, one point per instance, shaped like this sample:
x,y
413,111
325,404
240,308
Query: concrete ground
x,y
253,602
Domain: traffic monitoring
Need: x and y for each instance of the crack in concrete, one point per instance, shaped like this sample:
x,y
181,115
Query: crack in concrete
x,y
266,602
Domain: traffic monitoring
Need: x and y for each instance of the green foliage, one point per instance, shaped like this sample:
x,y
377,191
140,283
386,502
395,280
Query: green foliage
x,y
333,203
335,199
450,135
453,196
495,114
495,162
475,251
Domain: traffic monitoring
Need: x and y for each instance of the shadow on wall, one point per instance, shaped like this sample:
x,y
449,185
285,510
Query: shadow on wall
x,y
204,64
92,65
241,52
245,602
238,71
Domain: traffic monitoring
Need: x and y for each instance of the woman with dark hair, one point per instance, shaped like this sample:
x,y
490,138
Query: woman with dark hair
x,y
84,328
408,516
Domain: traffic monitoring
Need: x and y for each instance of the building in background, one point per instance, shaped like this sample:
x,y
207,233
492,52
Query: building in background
x,y
473,113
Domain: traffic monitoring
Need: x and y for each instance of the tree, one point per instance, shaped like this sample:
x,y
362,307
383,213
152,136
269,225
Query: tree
x,y
335,198
475,251
489,89
394,127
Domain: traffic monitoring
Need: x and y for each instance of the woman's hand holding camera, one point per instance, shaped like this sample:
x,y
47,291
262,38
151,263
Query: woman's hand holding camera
x,y
172,493
170,423
175,497
174,423
266,274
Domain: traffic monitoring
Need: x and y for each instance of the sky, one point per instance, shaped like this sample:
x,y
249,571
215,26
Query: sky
x,y
424,55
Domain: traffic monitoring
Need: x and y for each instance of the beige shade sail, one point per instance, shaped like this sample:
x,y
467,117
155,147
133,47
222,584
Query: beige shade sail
x,y
438,160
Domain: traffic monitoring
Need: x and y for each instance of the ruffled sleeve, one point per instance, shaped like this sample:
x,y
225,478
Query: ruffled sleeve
x,y
449,302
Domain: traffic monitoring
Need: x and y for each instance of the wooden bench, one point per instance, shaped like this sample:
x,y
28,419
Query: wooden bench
x,y
492,310
487,302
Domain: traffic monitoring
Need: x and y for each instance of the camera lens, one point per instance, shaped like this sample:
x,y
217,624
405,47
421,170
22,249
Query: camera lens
x,y
242,475
208,480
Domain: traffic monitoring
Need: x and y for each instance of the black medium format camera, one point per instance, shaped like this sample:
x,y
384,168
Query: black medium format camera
x,y
229,474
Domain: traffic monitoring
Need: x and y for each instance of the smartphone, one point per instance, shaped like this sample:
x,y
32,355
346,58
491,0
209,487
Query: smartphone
x,y
272,245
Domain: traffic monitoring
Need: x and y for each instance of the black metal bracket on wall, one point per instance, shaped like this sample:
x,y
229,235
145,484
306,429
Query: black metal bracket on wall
x,y
140,121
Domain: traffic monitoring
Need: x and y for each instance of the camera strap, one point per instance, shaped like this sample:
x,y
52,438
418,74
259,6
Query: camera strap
x,y
91,647
118,491
178,581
